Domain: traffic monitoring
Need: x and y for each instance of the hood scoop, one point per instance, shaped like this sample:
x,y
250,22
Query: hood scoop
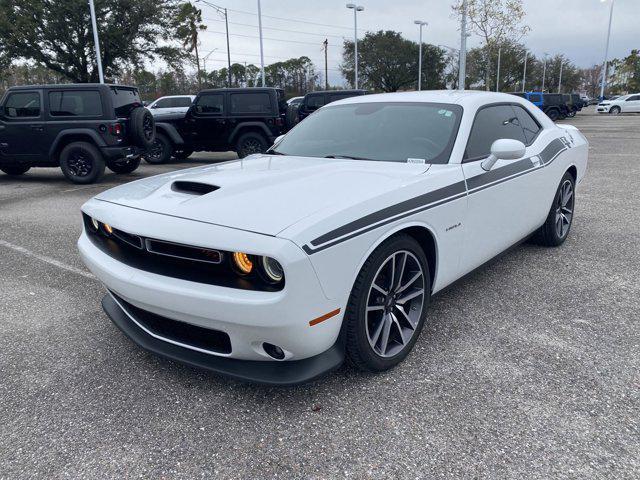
x,y
193,188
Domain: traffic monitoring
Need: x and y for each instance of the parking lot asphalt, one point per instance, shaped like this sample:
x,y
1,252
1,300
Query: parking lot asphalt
x,y
527,368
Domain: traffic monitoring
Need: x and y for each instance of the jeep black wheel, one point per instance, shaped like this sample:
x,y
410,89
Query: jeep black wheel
x,y
142,127
124,166
251,143
183,153
15,169
81,162
553,115
160,150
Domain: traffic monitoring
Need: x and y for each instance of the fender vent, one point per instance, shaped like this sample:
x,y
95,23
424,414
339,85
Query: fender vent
x,y
193,188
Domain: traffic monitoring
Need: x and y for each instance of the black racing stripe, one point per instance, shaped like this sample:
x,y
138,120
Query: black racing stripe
x,y
392,211
378,225
499,173
551,150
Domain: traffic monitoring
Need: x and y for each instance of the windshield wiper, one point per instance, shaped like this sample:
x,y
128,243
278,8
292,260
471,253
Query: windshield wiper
x,y
274,152
349,157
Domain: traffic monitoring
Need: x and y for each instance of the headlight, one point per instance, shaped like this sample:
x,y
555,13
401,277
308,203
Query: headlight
x,y
95,224
272,269
242,262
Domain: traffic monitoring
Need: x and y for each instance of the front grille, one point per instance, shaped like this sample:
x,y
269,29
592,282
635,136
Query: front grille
x,y
181,332
185,262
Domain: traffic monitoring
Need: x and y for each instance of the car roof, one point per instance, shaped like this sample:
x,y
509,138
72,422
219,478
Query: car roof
x,y
242,89
322,92
465,98
72,85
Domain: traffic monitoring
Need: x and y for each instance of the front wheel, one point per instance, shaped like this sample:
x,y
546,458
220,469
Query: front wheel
x,y
387,306
82,162
615,111
553,115
556,228
15,170
251,143
160,150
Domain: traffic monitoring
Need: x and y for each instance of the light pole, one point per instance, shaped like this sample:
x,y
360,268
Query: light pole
x,y
544,70
606,52
524,74
94,24
261,47
498,72
223,12
560,79
356,9
422,24
462,68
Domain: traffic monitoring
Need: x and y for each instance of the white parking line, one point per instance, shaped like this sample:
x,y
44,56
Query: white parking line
x,y
49,260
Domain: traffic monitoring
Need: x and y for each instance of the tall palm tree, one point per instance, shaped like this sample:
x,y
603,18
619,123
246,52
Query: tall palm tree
x,y
188,25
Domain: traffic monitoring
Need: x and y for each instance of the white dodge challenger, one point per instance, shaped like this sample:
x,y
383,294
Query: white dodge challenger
x,y
277,267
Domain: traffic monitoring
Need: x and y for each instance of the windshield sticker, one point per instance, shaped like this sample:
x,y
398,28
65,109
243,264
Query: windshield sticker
x,y
416,160
446,113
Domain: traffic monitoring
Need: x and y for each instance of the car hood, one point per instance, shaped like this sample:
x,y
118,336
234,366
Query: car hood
x,y
263,193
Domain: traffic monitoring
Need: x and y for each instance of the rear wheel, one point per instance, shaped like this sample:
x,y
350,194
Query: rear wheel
x,y
124,166
553,114
387,306
615,111
160,151
251,143
15,169
82,162
558,224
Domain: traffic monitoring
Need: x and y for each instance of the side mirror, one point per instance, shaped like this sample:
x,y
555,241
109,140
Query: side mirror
x,y
503,149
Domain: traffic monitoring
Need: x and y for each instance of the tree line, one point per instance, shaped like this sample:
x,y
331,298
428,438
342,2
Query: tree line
x,y
52,42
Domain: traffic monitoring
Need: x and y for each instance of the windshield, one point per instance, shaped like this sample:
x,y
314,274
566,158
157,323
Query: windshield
x,y
392,132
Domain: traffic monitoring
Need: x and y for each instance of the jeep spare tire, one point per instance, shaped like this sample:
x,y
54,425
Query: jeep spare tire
x,y
142,127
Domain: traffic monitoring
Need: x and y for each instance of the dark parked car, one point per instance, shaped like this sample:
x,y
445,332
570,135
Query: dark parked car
x,y
314,100
244,120
80,128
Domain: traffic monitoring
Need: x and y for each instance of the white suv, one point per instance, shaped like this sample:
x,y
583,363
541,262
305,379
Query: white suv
x,y
624,104
171,104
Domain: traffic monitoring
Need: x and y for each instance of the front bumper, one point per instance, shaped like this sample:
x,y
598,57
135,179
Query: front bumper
x,y
603,108
265,372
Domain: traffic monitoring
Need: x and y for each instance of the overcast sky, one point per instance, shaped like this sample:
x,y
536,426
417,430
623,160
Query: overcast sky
x,y
576,28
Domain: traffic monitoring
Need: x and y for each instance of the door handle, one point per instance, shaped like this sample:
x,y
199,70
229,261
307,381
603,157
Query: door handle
x,y
37,128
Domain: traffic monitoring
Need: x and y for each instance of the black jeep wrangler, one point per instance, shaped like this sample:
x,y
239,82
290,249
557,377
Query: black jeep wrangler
x,y
244,120
555,106
314,100
81,128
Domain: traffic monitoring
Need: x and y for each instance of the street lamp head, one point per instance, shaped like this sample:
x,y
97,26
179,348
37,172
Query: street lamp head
x,y
420,22
359,9
351,5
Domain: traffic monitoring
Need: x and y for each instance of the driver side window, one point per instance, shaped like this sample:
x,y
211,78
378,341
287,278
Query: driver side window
x,y
492,123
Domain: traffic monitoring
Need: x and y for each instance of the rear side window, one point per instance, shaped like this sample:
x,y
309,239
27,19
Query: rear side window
x,y
491,124
69,103
125,100
181,102
529,124
251,103
23,104
210,104
315,101
634,98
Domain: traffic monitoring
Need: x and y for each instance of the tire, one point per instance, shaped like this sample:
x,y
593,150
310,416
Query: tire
x,y
15,170
124,166
553,115
615,111
250,143
82,162
160,151
142,127
371,313
183,154
556,227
